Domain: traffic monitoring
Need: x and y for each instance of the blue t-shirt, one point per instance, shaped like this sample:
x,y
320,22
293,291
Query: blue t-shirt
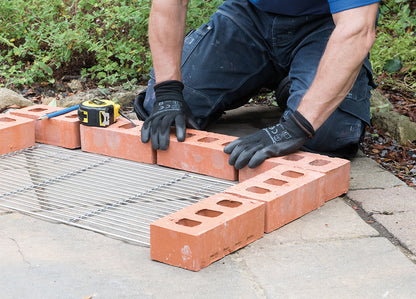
x,y
308,7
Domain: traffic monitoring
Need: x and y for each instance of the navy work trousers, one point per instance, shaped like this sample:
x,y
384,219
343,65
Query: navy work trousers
x,y
242,49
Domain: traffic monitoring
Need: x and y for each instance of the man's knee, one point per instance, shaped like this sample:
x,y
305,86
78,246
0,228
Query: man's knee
x,y
339,136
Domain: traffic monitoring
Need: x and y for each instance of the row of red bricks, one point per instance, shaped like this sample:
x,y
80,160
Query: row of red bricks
x,y
277,192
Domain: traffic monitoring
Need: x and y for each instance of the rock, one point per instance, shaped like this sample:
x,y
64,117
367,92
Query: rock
x,y
80,97
126,98
59,87
9,97
379,103
399,126
121,96
75,85
47,100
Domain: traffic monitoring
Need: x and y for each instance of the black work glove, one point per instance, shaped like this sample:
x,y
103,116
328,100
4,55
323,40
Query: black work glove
x,y
282,139
169,109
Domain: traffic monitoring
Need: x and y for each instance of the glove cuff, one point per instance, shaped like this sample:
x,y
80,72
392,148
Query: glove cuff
x,y
303,123
169,90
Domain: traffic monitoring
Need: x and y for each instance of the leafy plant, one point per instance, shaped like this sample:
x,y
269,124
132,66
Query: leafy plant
x,y
394,50
43,40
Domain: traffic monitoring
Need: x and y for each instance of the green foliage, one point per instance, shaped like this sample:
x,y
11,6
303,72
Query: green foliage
x,y
396,42
41,40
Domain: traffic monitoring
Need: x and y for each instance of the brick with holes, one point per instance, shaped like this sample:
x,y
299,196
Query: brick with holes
x,y
201,152
16,133
62,130
120,140
247,173
288,192
203,233
336,170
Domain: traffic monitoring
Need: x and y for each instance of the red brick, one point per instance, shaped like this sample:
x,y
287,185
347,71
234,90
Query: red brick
x,y
198,235
289,193
247,173
201,152
62,130
336,170
120,140
16,133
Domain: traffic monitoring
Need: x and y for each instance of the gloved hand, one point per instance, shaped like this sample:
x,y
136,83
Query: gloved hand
x,y
169,109
282,139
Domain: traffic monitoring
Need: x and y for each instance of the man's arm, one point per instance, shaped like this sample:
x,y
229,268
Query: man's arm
x,y
166,36
349,44
338,69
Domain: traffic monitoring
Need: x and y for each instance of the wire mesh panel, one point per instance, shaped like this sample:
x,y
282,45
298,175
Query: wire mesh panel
x,y
112,196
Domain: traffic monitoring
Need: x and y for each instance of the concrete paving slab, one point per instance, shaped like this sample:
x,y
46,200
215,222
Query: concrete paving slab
x,y
394,208
4,211
334,220
390,200
40,259
47,260
402,226
368,174
356,268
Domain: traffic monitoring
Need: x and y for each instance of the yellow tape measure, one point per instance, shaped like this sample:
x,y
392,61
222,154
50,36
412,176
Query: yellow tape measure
x,y
98,113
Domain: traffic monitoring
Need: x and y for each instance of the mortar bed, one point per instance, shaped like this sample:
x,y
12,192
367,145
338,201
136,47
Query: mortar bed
x,y
115,197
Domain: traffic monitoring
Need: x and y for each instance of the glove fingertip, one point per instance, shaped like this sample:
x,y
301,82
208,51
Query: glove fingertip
x,y
164,143
155,140
180,134
239,165
180,125
230,147
145,134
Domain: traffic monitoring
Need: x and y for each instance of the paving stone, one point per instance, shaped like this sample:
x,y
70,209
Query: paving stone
x,y
394,208
355,268
368,174
41,259
334,220
4,211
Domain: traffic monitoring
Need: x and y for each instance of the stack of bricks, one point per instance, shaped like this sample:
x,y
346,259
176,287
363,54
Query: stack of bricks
x,y
277,192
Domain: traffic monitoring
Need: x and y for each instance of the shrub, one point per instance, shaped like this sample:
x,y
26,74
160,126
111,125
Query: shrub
x,y
394,50
42,40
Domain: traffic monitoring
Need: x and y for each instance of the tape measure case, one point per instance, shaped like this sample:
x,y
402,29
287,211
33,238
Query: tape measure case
x,y
98,113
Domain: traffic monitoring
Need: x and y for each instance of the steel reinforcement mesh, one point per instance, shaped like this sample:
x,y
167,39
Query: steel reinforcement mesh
x,y
115,197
